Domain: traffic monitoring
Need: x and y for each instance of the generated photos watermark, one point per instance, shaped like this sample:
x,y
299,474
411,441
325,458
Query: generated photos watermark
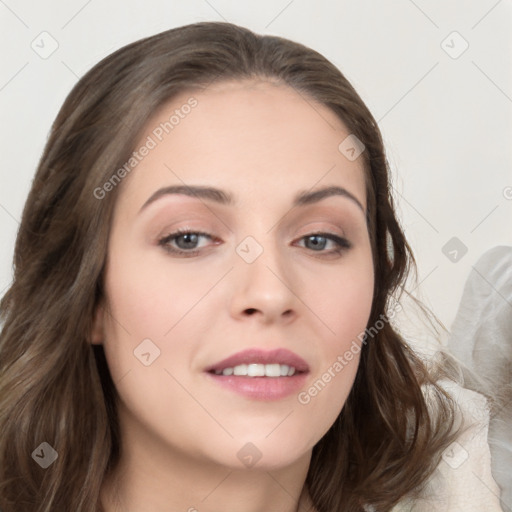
x,y
342,360
151,142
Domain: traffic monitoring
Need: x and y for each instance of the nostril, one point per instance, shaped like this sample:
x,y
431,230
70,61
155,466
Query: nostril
x,y
250,311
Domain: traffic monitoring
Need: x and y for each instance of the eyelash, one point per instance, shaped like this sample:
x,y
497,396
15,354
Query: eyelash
x,y
343,244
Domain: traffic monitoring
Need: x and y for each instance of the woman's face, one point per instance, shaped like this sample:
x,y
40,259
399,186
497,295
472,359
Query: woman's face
x,y
262,272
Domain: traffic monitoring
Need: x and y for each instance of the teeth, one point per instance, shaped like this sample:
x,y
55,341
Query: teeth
x,y
259,370
273,370
241,369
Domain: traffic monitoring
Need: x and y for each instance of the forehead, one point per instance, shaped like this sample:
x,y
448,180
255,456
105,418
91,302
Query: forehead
x,y
251,136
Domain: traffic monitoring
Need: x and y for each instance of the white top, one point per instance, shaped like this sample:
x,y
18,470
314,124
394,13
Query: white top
x,y
463,480
481,337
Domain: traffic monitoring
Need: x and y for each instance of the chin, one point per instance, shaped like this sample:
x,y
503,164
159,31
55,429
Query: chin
x,y
259,452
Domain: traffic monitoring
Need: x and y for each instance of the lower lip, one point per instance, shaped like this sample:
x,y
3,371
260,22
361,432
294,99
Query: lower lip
x,y
261,388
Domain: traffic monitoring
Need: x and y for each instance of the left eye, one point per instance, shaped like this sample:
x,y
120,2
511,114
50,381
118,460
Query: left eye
x,y
319,241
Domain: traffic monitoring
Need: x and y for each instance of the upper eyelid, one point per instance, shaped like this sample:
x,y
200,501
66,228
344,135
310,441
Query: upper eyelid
x,y
186,230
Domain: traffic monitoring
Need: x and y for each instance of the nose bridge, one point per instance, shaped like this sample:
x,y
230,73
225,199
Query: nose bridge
x,y
262,258
260,246
263,278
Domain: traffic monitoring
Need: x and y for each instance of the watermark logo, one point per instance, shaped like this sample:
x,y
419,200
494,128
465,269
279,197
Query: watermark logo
x,y
454,45
45,455
455,455
454,249
351,147
249,455
146,352
249,249
44,45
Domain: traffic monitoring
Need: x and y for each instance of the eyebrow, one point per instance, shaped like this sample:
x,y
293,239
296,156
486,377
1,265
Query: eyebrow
x,y
225,198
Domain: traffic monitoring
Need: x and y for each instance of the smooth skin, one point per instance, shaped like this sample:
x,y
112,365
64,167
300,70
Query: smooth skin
x,y
263,143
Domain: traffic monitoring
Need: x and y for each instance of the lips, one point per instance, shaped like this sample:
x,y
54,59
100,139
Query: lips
x,y
260,375
260,357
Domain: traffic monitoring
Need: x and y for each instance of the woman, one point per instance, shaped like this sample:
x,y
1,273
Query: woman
x,y
200,316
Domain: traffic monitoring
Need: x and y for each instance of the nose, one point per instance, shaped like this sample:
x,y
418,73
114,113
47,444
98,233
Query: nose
x,y
264,289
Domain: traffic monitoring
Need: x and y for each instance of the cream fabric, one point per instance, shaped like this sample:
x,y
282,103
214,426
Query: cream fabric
x,y
463,481
481,337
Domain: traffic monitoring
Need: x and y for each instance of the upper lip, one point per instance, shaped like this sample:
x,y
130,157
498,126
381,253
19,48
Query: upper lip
x,y
258,356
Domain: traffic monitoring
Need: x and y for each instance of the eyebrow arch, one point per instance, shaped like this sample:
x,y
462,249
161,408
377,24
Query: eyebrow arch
x,y
306,197
225,198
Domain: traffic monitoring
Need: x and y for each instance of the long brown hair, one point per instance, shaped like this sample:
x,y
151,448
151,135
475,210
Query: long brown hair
x,y
55,386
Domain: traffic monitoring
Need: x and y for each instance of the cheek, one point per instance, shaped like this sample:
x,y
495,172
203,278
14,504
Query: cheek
x,y
347,308
343,304
343,301
146,338
149,298
155,308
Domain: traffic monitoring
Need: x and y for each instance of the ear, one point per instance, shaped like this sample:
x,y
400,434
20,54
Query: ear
x,y
97,332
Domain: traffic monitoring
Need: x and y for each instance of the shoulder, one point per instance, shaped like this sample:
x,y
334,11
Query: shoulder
x,y
463,480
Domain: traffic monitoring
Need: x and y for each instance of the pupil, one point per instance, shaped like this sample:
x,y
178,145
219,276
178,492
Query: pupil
x,y
315,239
190,238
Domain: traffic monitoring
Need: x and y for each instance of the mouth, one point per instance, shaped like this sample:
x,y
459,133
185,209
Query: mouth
x,y
260,375
258,370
